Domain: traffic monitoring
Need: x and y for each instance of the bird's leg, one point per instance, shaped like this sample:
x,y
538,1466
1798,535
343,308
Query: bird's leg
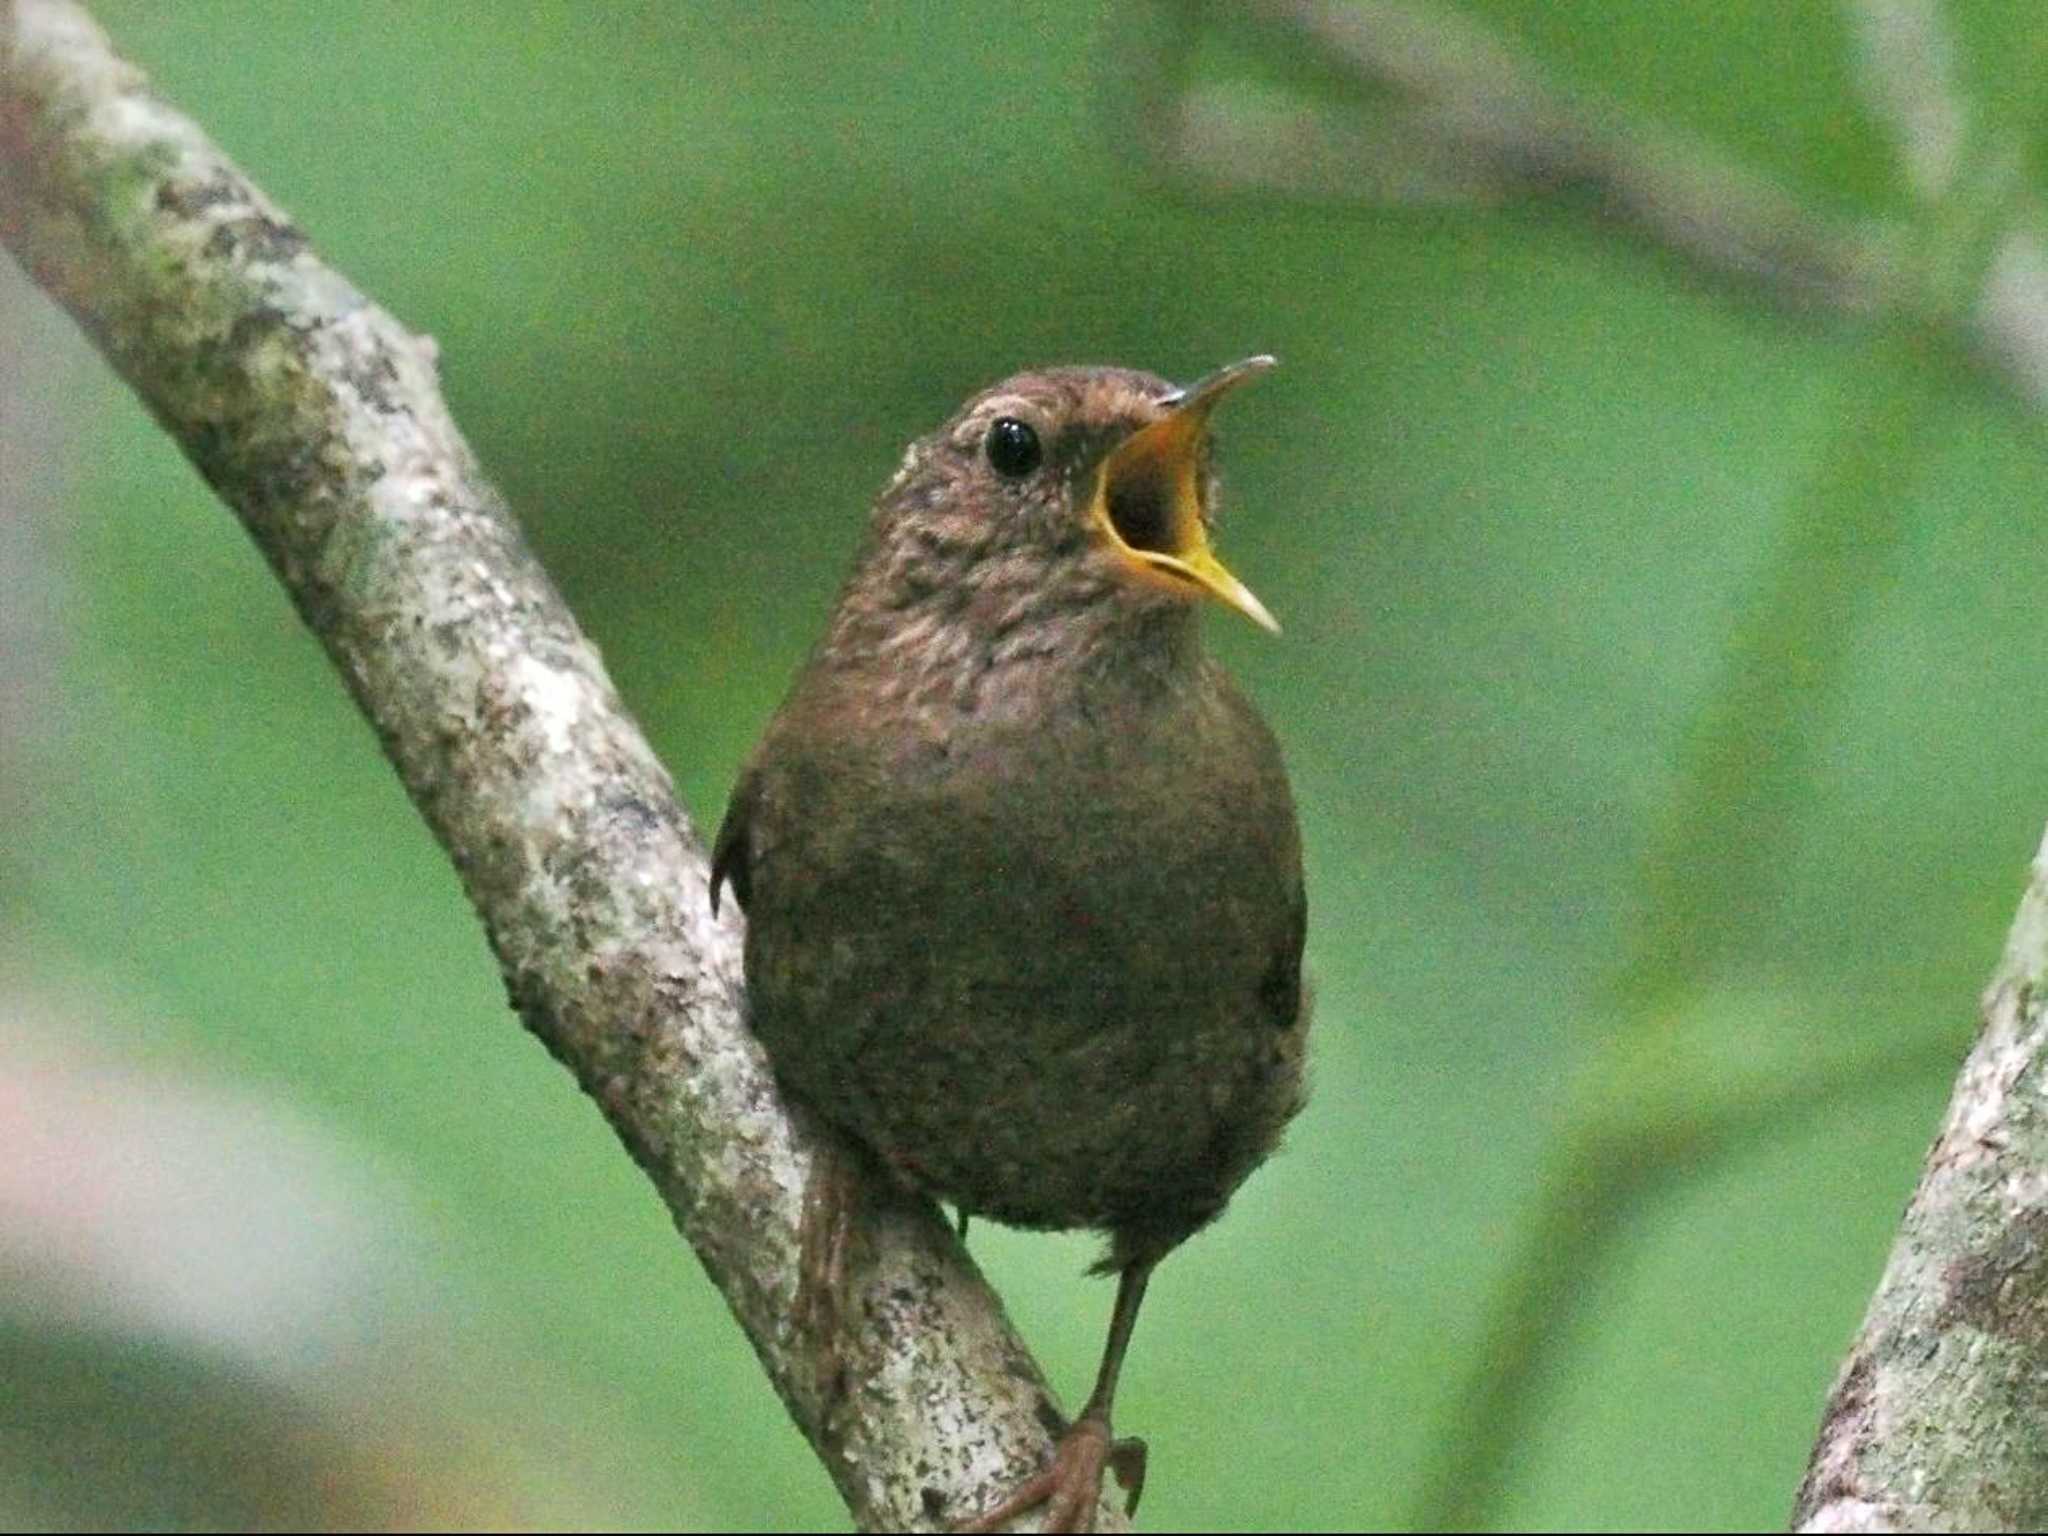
x,y
832,1196
1071,1486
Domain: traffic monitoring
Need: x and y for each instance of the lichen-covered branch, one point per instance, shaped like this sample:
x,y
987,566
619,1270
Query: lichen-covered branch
x,y
317,417
1939,1419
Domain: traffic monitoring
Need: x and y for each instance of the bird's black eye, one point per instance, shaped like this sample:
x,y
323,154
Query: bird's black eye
x,y
1012,448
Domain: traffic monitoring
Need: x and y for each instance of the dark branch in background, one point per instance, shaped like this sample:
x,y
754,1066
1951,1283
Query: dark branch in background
x,y
1444,113
317,417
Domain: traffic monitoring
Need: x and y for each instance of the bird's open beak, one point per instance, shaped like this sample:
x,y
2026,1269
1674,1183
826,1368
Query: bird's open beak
x,y
1148,497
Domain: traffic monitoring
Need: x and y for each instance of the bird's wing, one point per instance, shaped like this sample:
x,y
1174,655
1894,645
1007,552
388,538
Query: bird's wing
x,y
1282,995
732,855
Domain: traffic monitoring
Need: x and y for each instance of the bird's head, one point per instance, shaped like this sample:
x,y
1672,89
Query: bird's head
x,y
1062,491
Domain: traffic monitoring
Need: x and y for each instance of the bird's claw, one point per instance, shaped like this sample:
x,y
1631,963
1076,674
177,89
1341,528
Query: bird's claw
x,y
1127,1466
1071,1487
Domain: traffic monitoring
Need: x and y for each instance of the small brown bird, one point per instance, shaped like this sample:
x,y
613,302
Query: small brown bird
x,y
1020,866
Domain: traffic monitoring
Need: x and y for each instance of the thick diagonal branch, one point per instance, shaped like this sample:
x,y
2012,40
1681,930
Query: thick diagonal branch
x,y
317,417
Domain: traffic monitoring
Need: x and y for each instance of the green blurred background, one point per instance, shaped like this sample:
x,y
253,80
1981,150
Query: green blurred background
x,y
313,1233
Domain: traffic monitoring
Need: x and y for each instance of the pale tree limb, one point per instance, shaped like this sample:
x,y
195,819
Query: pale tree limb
x,y
317,417
1939,1419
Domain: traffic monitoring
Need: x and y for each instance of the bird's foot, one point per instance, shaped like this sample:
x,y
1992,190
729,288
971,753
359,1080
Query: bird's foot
x,y
1071,1488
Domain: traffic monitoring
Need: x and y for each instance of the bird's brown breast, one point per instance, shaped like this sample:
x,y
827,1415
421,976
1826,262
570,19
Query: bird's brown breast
x,y
1042,958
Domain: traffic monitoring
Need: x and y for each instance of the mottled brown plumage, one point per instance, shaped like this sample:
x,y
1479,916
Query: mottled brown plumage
x,y
1019,861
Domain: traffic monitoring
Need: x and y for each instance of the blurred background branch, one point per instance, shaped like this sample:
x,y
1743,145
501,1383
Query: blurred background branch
x,y
1434,109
